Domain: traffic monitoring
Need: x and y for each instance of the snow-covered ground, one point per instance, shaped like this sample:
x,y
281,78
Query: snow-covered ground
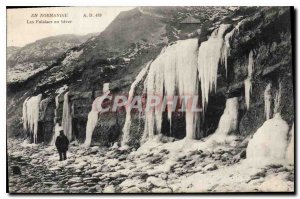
x,y
182,166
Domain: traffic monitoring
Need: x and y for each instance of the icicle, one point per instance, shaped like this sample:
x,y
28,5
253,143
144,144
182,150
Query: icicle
x,y
31,115
277,100
248,83
25,119
174,70
210,54
290,149
126,128
226,47
67,117
248,91
93,117
267,99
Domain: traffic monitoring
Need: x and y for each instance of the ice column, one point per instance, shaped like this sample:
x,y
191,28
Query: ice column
x,y
67,117
31,110
247,82
210,54
126,128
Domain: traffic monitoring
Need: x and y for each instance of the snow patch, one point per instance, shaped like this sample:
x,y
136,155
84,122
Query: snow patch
x,y
269,143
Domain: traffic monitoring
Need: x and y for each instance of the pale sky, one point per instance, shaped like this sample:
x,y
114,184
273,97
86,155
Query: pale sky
x,y
20,32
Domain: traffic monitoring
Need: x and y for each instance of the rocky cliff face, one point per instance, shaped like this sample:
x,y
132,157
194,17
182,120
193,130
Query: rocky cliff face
x,y
135,37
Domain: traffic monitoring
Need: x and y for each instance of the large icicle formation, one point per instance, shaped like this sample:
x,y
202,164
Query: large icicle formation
x,y
67,117
210,54
248,83
229,120
93,116
174,70
126,128
267,99
290,149
269,143
31,109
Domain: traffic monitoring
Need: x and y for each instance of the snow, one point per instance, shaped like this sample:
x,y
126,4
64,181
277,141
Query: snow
x,y
269,143
31,107
267,99
275,183
174,70
210,54
290,149
67,117
126,128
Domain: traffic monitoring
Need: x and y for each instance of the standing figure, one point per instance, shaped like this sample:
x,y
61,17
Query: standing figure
x,y
62,144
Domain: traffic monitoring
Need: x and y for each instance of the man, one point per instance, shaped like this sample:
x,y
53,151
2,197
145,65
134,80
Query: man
x,y
62,144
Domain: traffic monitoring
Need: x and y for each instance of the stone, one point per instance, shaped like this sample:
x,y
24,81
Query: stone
x,y
210,167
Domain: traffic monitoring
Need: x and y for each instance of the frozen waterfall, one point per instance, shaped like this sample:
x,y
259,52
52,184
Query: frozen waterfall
x,y
209,57
126,128
31,109
173,71
229,119
67,117
93,116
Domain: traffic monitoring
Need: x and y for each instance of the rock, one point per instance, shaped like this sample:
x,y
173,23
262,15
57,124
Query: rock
x,y
109,189
16,170
98,189
156,181
132,190
161,190
210,167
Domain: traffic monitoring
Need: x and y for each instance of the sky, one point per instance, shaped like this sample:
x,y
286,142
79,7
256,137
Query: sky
x,y
21,32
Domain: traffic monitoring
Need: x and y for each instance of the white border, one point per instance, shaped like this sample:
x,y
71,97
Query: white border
x,y
3,5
